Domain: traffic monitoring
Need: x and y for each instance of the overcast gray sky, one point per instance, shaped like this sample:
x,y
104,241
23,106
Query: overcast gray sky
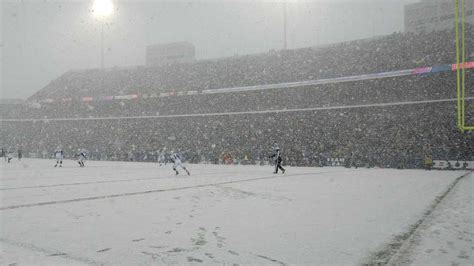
x,y
42,39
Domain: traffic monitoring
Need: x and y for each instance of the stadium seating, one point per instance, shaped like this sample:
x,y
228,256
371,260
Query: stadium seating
x,y
390,122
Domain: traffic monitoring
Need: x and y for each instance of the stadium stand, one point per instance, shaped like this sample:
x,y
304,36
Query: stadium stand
x,y
389,122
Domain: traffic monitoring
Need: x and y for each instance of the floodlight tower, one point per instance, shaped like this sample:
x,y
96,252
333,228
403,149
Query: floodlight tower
x,y
102,9
285,22
284,25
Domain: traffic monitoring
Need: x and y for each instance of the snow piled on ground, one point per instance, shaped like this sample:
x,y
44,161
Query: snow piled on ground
x,y
141,213
446,236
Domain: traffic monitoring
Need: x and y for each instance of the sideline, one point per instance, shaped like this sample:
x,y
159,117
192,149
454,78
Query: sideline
x,y
384,255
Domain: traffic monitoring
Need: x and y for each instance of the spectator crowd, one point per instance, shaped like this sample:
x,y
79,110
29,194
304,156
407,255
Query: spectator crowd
x,y
389,122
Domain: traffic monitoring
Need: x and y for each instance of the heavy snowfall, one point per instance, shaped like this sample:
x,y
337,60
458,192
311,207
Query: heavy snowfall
x,y
237,132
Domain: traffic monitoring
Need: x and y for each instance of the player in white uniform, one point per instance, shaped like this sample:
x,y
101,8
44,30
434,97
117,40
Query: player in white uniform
x,y
81,158
9,156
177,162
161,158
59,154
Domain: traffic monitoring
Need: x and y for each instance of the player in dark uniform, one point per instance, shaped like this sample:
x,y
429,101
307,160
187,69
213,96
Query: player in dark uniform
x,y
4,154
278,159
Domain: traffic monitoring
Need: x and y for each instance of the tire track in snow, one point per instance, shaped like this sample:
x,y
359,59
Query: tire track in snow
x,y
271,259
48,252
159,190
103,181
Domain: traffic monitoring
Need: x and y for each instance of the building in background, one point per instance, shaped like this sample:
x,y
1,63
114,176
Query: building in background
x,y
176,52
430,15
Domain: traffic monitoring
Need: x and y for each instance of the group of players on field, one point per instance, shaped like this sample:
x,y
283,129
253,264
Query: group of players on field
x,y
59,154
177,160
8,155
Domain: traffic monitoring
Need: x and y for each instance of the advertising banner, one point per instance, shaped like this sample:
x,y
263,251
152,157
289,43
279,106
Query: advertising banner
x,y
421,70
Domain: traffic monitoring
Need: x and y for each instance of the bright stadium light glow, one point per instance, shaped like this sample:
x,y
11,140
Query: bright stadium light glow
x,y
103,8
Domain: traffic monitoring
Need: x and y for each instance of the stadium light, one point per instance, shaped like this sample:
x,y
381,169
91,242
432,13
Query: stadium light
x,y
102,9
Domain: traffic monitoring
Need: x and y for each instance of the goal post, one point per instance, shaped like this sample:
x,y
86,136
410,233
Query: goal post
x,y
461,65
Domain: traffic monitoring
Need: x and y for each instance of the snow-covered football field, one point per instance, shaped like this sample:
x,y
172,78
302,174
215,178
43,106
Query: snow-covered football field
x,y
141,213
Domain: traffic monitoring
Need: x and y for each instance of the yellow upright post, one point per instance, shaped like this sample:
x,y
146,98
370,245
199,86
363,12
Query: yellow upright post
x,y
458,78
463,71
463,75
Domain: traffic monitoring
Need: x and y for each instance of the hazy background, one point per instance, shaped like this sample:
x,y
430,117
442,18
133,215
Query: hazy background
x,y
42,39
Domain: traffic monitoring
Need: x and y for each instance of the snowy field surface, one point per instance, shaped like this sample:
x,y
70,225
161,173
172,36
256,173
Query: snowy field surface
x,y
447,235
141,213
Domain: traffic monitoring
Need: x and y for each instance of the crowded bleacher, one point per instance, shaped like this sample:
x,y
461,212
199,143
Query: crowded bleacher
x,y
389,122
393,52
